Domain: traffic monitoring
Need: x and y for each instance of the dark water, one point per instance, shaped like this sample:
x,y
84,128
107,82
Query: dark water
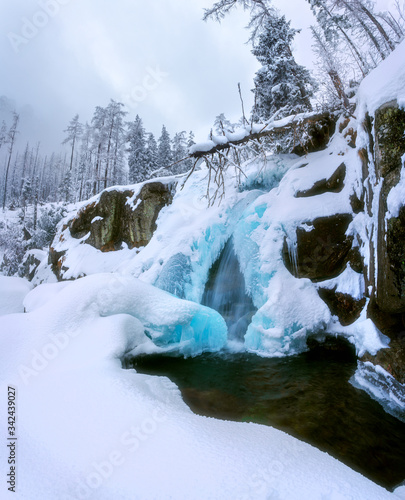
x,y
225,292
307,396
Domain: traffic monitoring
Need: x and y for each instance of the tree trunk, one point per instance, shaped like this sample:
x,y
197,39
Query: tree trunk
x,y
337,83
377,25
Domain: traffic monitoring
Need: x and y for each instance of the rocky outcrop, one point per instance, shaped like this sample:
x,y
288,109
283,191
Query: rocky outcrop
x,y
391,359
386,277
116,218
322,252
389,148
342,305
31,262
334,184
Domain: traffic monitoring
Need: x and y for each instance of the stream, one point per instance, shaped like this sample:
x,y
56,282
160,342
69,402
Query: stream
x,y
307,396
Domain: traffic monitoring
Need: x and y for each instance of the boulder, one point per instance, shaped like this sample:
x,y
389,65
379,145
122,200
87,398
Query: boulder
x,y
116,218
323,252
334,184
342,305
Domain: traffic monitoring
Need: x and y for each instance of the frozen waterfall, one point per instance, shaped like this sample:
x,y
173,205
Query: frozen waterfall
x,y
225,292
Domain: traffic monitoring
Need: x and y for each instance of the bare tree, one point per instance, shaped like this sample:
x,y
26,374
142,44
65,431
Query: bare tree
x,y
74,131
11,137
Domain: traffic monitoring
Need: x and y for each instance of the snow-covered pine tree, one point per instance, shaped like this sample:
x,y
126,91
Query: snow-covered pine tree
x,y
179,152
281,85
165,157
137,159
190,142
151,153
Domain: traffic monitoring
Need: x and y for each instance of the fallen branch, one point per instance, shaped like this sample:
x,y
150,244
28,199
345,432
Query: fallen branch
x,y
267,130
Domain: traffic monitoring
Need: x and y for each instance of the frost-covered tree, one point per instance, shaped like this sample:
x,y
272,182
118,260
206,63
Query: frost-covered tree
x,y
165,157
151,153
179,152
85,162
3,133
222,125
281,85
329,63
99,138
114,125
259,10
11,138
137,159
73,131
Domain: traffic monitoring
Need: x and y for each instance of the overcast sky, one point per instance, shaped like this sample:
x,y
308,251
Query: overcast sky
x,y
62,57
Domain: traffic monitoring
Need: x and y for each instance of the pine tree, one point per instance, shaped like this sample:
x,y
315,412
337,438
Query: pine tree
x,y
165,157
281,85
137,159
190,142
151,153
179,152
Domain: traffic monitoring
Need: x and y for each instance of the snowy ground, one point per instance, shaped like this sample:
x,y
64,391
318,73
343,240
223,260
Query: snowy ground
x,y
87,429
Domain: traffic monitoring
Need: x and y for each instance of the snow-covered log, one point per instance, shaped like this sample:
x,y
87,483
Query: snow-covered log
x,y
254,132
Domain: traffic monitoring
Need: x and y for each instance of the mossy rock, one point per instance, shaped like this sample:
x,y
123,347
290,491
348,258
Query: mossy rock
x,y
390,138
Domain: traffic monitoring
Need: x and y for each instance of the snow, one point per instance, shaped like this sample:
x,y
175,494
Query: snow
x,y
385,83
12,294
396,197
87,428
400,492
243,132
348,282
381,386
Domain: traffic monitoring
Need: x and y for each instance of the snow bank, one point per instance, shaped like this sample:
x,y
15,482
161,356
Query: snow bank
x,y
87,429
12,293
385,83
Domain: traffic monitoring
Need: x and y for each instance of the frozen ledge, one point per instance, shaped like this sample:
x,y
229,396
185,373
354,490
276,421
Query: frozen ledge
x,y
382,387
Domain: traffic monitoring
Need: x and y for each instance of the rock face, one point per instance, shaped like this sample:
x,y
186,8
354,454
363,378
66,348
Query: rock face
x,y
117,218
392,359
323,252
387,279
389,148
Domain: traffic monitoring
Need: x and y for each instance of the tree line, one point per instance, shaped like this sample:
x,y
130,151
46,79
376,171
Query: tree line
x,y
101,153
